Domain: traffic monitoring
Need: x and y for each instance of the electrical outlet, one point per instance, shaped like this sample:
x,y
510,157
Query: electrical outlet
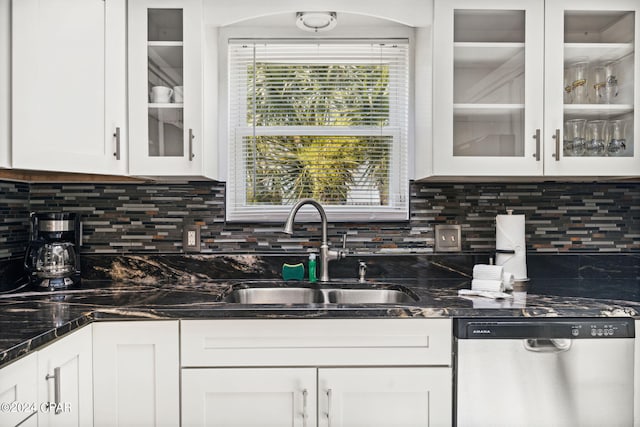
x,y
191,238
448,238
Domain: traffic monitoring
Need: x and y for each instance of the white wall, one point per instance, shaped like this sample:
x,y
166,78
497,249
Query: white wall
x,y
410,19
414,13
5,83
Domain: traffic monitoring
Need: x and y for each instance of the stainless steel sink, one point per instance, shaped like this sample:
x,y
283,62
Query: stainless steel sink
x,y
252,293
275,296
368,296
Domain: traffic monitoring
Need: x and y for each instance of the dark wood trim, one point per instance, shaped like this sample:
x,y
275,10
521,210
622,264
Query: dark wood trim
x,y
45,176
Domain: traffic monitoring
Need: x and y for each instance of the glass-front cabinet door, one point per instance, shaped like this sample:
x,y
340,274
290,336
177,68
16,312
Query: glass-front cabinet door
x,y
591,93
488,74
165,93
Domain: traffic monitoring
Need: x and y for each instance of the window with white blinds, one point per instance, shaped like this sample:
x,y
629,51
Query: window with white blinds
x,y
326,119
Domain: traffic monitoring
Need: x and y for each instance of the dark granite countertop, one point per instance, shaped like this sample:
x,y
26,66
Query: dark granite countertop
x,y
29,320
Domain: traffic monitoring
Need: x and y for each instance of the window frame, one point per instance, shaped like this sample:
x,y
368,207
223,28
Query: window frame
x,y
396,211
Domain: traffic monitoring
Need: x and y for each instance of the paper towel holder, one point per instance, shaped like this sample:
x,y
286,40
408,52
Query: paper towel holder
x,y
506,251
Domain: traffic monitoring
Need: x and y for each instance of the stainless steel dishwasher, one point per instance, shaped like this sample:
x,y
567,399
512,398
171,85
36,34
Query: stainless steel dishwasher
x,y
544,372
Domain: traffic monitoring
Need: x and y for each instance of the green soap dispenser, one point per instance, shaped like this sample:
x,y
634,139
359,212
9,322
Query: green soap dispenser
x,y
312,268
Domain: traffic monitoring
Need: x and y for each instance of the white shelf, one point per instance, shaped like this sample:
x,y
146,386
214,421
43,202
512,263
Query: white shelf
x,y
596,52
164,44
166,105
591,111
486,109
470,53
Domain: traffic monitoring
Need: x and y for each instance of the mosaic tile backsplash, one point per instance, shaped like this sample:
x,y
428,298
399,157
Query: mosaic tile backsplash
x,y
14,219
134,218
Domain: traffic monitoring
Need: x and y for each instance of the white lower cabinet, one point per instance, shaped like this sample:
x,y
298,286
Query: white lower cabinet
x,y
268,397
316,372
293,372
136,373
367,397
382,397
50,387
65,383
17,387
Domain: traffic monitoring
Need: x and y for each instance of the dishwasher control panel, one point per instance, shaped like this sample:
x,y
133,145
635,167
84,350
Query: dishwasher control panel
x,y
575,328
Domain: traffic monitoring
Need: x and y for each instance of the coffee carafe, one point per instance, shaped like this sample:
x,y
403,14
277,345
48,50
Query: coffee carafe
x,y
52,260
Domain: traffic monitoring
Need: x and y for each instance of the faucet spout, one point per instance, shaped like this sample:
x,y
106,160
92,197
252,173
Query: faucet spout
x,y
326,255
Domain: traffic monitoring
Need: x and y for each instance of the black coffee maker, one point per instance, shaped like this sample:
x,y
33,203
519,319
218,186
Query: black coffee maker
x,y
52,260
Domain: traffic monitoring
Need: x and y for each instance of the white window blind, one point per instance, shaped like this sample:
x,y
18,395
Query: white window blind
x,y
325,119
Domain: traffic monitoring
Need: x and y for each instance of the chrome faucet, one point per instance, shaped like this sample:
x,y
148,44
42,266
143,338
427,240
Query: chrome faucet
x,y
326,254
362,271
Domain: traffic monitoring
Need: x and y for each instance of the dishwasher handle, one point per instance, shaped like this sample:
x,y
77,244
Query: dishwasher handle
x,y
547,345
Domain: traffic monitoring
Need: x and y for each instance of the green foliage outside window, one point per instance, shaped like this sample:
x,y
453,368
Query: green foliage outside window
x,y
284,168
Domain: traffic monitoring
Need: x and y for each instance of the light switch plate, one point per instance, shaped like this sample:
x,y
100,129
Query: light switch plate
x,y
191,238
448,238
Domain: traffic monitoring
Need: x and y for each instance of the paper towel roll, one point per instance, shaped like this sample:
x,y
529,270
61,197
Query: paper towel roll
x,y
510,237
507,281
487,285
488,272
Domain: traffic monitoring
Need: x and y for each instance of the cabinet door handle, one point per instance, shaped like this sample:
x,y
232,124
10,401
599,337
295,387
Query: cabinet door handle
x,y
116,135
191,136
304,408
557,138
537,138
329,393
56,388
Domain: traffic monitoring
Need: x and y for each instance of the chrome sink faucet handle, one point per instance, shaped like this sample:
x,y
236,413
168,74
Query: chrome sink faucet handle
x,y
326,255
362,271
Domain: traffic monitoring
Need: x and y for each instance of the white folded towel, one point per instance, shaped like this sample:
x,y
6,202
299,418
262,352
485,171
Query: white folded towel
x,y
487,285
488,272
507,281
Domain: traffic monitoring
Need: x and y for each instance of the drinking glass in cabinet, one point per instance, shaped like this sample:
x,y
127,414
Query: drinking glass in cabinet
x,y
616,137
605,83
567,93
574,137
594,144
599,85
578,73
611,79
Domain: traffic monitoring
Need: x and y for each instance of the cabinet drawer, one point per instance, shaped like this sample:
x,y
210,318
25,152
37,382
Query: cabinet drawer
x,y
315,342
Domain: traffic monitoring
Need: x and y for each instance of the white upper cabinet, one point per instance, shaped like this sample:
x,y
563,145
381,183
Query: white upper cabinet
x,y
515,80
591,91
488,68
69,85
165,88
